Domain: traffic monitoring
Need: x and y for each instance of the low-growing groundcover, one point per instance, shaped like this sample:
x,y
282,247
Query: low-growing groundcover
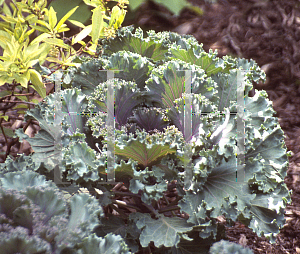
x,y
154,211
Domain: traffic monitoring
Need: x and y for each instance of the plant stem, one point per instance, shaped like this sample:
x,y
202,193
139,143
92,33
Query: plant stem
x,y
155,212
125,204
3,131
168,209
22,94
126,194
118,210
30,103
167,201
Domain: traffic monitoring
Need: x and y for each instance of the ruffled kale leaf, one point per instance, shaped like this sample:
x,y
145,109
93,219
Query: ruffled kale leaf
x,y
153,147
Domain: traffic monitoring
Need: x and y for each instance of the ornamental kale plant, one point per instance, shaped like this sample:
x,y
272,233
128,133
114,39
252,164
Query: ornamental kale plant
x,y
37,218
154,155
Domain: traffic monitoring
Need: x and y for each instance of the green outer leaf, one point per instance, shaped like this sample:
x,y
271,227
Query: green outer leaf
x,y
57,42
120,19
22,80
97,21
137,44
268,213
124,172
40,38
52,18
134,67
8,132
143,155
63,29
40,28
20,182
4,38
43,143
196,9
147,149
74,101
149,192
163,232
110,244
63,20
114,15
83,33
80,212
6,10
3,80
83,164
44,23
49,200
85,214
91,75
204,60
76,23
36,80
17,240
4,117
32,52
9,19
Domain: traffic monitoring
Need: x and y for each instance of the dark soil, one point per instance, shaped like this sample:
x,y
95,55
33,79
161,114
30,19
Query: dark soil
x,y
267,31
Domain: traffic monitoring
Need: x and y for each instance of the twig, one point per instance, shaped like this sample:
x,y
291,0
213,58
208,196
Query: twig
x,y
151,209
8,106
3,131
117,187
30,103
118,210
125,204
22,94
16,117
26,125
167,201
9,145
175,201
169,209
127,194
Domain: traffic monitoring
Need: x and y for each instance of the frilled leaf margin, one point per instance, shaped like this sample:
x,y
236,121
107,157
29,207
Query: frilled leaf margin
x,y
150,152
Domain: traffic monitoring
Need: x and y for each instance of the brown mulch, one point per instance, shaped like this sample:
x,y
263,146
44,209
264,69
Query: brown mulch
x,y
267,31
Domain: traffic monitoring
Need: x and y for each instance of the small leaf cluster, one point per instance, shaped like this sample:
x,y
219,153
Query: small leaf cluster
x,y
20,53
31,36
